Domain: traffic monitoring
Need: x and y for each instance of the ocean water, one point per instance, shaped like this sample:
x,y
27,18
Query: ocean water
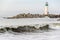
x,y
50,35
43,35
27,21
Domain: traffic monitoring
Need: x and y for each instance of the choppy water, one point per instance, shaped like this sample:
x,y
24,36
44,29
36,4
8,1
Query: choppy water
x,y
45,35
50,35
27,21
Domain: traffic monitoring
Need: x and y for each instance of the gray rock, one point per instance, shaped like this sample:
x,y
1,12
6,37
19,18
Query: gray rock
x,y
2,30
46,27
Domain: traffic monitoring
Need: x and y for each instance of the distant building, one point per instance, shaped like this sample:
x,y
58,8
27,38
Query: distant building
x,y
46,9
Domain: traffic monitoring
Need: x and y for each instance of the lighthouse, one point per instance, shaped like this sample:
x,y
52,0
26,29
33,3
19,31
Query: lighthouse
x,y
46,9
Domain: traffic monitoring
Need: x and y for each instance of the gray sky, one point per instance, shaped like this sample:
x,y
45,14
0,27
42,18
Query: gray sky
x,y
13,7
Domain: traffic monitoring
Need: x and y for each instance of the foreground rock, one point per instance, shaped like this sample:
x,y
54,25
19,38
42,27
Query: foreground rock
x,y
2,30
46,27
7,28
21,29
29,28
26,28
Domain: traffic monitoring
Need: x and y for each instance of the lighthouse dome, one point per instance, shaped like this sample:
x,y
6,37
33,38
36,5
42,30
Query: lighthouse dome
x,y
46,4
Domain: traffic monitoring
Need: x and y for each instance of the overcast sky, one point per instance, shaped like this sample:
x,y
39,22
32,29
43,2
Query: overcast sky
x,y
13,7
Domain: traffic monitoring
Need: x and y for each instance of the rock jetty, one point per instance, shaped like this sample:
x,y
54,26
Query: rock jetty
x,y
28,15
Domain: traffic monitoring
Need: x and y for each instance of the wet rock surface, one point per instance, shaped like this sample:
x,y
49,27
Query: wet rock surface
x,y
21,29
2,30
46,27
26,28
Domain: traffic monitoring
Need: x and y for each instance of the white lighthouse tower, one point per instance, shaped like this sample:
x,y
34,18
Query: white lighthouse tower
x,y
46,9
